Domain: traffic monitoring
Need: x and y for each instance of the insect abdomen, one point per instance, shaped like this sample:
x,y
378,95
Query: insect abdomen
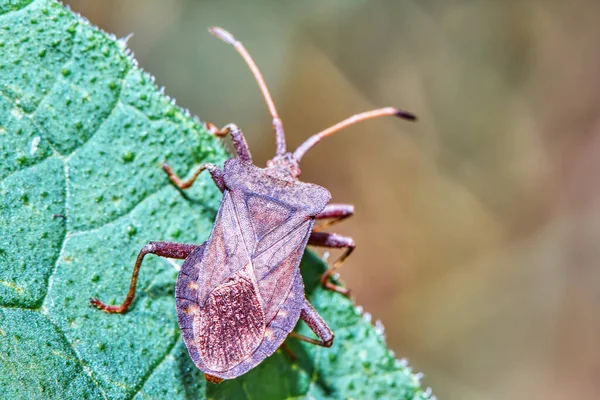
x,y
231,324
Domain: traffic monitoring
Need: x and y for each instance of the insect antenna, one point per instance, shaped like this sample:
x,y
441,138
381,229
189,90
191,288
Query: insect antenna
x,y
277,125
381,112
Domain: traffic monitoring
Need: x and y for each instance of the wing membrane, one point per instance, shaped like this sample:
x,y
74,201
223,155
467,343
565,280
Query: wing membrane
x,y
281,234
262,231
226,251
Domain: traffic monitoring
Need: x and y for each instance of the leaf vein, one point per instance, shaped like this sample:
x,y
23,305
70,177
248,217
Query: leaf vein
x,y
25,168
17,10
108,115
82,364
142,383
63,241
57,79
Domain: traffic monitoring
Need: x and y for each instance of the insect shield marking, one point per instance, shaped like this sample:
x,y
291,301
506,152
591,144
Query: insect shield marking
x,y
192,310
231,324
240,294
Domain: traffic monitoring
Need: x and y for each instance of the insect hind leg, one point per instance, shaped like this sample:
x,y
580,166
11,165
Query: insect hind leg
x,y
333,213
333,240
162,249
316,323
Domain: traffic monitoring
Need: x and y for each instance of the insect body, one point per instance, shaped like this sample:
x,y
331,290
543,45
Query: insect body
x,y
240,296
240,293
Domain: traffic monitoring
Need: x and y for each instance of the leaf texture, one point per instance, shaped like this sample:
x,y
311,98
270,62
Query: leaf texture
x,y
82,134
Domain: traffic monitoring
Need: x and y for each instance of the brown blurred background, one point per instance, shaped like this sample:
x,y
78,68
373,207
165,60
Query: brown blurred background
x,y
478,227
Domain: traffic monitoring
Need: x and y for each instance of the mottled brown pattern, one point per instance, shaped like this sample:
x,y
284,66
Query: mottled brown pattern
x,y
279,326
230,324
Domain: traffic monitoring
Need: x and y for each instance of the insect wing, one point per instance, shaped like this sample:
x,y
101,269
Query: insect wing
x,y
222,301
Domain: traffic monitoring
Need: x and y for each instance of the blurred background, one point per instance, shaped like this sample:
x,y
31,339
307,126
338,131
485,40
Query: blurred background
x,y
478,227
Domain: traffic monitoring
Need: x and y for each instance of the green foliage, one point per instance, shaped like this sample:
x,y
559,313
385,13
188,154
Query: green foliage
x,y
82,134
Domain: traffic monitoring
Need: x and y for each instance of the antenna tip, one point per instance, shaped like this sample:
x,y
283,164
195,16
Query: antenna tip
x,y
222,34
406,115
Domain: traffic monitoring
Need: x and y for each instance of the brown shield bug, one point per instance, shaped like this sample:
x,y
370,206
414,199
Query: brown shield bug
x,y
240,294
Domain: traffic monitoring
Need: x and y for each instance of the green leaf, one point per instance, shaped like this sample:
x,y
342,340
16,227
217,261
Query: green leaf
x,y
82,135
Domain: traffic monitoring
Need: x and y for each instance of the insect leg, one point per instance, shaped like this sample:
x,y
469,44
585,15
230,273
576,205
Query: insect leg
x,y
334,213
333,240
237,137
215,173
286,349
162,249
316,324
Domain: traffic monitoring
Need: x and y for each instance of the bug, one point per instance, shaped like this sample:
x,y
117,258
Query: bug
x,y
240,294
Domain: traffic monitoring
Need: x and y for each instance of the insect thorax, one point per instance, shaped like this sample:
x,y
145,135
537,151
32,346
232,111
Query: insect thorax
x,y
267,182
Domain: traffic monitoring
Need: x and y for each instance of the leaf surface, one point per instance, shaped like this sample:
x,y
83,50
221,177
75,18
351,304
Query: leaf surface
x,y
82,134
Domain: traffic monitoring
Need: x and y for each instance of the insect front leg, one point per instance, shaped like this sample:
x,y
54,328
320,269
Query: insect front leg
x,y
237,137
162,249
215,173
334,213
316,324
333,240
